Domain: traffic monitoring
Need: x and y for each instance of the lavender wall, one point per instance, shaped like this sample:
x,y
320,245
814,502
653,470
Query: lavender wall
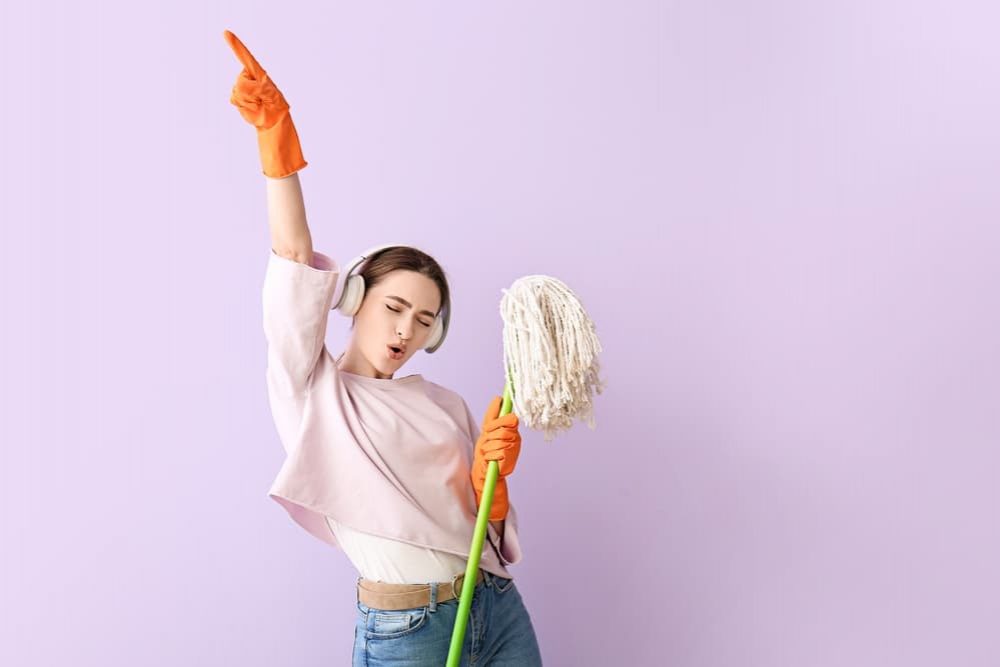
x,y
783,218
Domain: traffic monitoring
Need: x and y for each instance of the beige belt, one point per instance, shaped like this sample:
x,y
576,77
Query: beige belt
x,y
386,596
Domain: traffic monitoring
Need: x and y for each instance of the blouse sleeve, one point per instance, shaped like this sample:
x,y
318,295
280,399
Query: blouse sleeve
x,y
509,544
296,300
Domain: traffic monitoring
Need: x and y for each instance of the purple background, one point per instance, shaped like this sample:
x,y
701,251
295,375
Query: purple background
x,y
782,217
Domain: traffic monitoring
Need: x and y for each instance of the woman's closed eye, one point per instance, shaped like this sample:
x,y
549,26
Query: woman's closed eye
x,y
399,311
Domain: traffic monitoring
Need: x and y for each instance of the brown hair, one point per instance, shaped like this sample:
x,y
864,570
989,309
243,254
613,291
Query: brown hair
x,y
407,258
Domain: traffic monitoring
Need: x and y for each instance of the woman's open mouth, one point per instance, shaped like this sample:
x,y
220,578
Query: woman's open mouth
x,y
394,352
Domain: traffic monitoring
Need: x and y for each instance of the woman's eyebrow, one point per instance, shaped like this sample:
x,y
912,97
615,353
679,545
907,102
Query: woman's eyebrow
x,y
408,304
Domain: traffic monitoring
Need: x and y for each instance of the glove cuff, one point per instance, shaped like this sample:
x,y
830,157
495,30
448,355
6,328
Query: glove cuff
x,y
498,512
280,151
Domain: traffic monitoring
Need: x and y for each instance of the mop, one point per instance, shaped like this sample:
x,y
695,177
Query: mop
x,y
550,363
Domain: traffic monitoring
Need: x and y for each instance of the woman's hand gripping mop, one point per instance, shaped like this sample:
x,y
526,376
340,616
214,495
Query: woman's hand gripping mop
x,y
550,362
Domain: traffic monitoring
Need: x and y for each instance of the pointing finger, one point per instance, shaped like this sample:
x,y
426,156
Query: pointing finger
x,y
243,54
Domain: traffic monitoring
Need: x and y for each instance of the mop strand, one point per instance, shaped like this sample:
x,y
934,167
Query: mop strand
x,y
550,348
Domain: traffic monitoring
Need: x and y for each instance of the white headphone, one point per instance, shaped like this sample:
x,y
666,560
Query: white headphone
x,y
353,293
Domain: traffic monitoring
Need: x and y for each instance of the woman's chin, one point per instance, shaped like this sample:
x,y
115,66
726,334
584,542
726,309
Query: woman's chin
x,y
389,366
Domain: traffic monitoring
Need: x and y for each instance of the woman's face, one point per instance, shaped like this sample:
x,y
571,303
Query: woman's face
x,y
398,311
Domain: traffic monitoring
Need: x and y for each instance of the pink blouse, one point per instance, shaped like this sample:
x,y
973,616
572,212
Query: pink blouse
x,y
387,457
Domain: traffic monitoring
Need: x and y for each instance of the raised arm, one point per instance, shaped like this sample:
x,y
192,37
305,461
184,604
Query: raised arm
x,y
286,214
262,105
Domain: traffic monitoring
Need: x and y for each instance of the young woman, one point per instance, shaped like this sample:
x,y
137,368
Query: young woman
x,y
389,469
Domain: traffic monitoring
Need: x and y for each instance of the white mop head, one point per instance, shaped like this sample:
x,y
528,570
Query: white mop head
x,y
550,348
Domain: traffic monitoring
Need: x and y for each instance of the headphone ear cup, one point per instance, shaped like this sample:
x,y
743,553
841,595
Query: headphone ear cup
x,y
354,294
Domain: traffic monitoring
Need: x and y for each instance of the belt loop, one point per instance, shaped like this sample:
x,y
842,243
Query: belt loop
x,y
434,596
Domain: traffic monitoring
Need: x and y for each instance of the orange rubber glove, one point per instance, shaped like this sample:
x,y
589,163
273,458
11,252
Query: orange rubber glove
x,y
500,441
263,106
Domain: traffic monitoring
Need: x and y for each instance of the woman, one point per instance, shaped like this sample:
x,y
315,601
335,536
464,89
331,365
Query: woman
x,y
390,470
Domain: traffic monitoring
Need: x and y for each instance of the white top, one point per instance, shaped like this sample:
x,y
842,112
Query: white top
x,y
392,561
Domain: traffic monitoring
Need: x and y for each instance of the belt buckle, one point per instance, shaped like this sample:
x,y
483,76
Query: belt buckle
x,y
457,590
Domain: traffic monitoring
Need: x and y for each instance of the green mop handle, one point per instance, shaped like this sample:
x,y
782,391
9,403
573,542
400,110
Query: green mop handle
x,y
478,537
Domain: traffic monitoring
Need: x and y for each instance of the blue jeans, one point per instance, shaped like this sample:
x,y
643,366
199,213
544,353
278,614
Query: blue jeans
x,y
498,632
